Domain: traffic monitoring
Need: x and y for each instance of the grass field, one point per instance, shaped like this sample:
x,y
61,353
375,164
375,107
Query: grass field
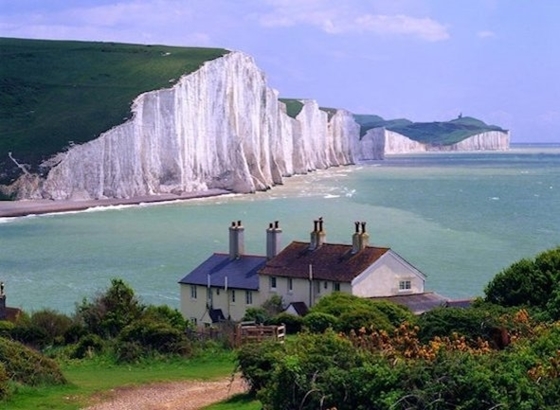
x,y
53,93
90,377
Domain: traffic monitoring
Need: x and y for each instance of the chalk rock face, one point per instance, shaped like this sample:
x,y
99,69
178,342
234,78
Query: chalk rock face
x,y
378,142
218,127
485,141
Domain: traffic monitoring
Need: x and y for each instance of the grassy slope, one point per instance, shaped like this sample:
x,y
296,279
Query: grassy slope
x,y
87,378
54,92
435,133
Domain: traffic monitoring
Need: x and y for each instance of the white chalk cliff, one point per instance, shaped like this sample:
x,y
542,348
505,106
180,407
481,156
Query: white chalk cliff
x,y
378,142
218,127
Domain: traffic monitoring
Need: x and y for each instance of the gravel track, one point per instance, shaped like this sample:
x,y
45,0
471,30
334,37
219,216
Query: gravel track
x,y
187,395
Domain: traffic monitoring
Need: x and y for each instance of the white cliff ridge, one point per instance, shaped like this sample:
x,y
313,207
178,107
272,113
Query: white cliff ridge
x,y
218,127
378,142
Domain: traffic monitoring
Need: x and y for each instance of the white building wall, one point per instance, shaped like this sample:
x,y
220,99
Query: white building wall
x,y
384,276
196,308
300,291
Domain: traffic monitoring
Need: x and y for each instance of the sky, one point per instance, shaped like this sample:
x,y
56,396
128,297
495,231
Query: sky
x,y
425,60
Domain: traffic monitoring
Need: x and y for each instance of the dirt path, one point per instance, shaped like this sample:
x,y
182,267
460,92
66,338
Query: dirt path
x,y
188,395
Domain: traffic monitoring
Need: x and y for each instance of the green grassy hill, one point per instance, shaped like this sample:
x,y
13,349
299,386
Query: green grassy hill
x,y
434,133
53,93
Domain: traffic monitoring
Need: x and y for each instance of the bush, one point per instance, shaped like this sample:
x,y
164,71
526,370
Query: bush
x,y
318,322
256,314
362,317
27,366
256,361
167,315
53,323
156,336
89,345
4,386
526,282
6,328
111,311
293,323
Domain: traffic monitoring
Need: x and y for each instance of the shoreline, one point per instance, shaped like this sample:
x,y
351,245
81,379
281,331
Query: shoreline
x,y
15,209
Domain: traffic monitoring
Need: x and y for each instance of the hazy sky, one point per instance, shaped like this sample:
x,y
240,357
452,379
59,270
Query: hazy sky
x,y
425,60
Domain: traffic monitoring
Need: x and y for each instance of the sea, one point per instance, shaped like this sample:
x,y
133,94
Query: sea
x,y
460,218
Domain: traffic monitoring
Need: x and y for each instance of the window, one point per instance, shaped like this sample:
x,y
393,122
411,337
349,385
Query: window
x,y
317,287
326,285
336,286
193,292
248,297
405,285
233,296
290,285
193,320
273,282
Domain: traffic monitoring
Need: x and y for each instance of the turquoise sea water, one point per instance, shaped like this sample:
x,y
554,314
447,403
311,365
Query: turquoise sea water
x,y
459,217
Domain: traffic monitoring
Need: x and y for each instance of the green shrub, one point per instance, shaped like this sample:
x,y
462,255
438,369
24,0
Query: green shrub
x,y
362,317
156,336
4,385
111,311
528,282
27,366
293,323
6,328
256,361
54,324
165,314
88,346
129,352
256,314
318,322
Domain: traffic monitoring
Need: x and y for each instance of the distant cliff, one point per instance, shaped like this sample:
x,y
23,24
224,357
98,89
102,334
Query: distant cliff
x,y
218,127
378,142
380,137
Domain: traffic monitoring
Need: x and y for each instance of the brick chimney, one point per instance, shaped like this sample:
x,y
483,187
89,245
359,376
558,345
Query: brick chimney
x,y
360,239
364,237
236,240
273,234
356,238
318,235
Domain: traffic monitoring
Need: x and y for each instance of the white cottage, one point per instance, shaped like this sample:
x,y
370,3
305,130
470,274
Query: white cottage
x,y
225,285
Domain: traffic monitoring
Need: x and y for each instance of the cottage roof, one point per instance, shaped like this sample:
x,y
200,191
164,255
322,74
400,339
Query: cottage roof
x,y
332,262
241,272
418,302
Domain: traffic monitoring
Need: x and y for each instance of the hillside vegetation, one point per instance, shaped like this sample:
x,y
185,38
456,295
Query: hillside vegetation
x,y
55,93
433,133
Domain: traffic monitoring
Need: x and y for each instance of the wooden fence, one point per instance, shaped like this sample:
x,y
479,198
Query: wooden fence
x,y
249,332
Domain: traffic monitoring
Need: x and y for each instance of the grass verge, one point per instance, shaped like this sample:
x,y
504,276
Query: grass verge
x,y
87,378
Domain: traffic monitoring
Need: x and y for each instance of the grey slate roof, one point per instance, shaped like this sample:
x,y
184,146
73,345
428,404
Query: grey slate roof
x,y
417,302
241,273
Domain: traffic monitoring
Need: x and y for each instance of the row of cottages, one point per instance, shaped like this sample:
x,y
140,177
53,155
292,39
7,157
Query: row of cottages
x,y
226,284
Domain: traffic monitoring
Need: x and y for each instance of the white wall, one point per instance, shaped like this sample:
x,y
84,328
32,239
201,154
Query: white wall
x,y
383,277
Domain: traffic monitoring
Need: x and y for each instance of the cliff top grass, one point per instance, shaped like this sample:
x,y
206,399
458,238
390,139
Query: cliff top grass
x,y
293,106
53,93
434,133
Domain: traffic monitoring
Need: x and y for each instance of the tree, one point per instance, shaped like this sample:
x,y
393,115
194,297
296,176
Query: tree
x,y
111,311
526,282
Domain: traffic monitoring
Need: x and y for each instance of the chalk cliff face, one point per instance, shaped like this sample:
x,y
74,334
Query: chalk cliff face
x,y
485,141
378,142
219,127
